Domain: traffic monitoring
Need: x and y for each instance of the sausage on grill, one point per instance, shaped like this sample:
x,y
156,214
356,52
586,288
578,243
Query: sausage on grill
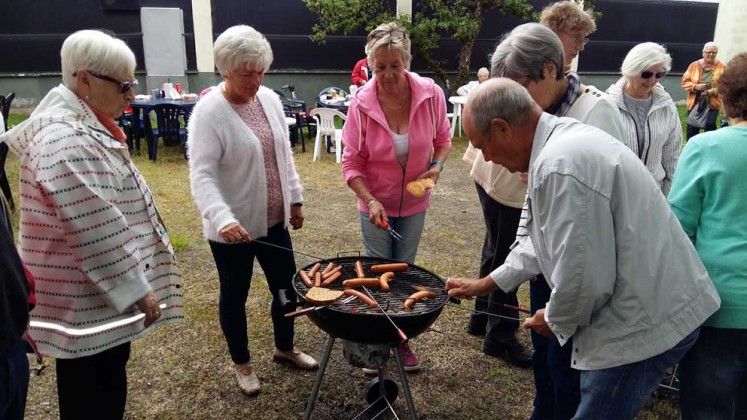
x,y
363,298
333,275
305,278
359,270
371,282
415,297
314,269
384,281
383,268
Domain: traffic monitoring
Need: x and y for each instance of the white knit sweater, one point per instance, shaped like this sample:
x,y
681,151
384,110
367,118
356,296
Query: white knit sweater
x,y
226,166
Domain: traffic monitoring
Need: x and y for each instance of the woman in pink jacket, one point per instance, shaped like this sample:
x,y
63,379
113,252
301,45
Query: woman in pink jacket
x,y
396,132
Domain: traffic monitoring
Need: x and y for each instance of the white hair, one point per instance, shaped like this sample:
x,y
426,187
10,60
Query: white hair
x,y
483,70
710,44
499,98
644,56
94,51
525,51
389,35
241,47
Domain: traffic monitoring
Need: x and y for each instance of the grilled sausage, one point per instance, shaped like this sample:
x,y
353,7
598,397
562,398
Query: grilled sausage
x,y
415,297
363,298
359,270
383,268
314,269
331,279
318,279
305,278
384,281
371,282
330,273
328,268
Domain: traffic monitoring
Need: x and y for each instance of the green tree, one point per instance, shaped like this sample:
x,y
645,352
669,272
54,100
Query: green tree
x,y
434,19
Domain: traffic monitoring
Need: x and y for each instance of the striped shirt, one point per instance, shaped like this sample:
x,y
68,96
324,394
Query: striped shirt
x,y
89,232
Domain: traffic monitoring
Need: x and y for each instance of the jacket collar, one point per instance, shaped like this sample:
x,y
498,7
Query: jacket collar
x,y
616,92
421,89
60,105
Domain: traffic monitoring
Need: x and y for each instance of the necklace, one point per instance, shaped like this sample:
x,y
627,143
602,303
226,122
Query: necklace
x,y
401,101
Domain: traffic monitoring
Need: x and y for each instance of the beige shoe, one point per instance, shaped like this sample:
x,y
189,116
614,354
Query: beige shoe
x,y
297,358
247,379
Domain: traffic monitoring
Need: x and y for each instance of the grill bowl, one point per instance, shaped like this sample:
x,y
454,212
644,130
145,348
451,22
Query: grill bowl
x,y
355,321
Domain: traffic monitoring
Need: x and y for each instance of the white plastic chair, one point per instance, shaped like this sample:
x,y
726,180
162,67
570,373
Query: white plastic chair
x,y
325,127
456,117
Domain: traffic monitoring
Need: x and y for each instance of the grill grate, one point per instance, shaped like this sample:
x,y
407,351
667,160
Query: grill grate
x,y
393,301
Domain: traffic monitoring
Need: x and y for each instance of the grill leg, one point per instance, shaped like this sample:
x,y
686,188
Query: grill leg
x,y
319,377
405,385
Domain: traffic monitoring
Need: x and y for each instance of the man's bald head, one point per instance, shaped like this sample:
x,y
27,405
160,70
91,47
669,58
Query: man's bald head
x,y
498,97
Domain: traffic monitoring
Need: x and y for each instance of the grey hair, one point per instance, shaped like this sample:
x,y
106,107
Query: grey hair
x,y
499,98
94,51
710,44
483,70
241,47
525,51
644,56
389,35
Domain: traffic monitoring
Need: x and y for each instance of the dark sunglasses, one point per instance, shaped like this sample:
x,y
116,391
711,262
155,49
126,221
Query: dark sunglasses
x,y
647,74
122,87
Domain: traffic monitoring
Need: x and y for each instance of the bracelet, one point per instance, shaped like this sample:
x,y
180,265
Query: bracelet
x,y
370,202
433,162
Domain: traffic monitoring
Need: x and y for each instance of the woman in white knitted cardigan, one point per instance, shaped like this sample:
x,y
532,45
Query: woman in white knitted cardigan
x,y
246,187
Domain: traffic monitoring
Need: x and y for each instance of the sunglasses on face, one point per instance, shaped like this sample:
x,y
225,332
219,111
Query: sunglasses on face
x,y
122,87
648,74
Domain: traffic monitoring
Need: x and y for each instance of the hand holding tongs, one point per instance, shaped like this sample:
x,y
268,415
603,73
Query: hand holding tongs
x,y
384,224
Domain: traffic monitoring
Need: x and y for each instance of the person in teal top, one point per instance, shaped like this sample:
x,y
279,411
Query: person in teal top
x,y
709,197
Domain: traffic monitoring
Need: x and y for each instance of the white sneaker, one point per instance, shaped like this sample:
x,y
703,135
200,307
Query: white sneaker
x,y
297,358
247,379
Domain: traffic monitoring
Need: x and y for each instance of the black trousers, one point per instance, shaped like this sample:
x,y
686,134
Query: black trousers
x,y
94,387
501,223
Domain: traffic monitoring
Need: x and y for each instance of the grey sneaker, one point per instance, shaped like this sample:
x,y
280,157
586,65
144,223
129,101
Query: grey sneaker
x,y
297,358
247,379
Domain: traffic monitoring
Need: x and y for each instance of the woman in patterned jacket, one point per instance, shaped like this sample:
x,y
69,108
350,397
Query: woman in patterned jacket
x,y
89,229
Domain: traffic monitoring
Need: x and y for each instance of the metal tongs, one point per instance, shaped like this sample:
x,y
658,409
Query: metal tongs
x,y
385,225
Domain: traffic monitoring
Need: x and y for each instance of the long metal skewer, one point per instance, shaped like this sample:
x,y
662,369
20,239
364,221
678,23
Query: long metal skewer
x,y
484,313
288,249
399,331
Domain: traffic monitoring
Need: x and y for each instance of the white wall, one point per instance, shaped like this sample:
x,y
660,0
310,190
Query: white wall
x,y
731,31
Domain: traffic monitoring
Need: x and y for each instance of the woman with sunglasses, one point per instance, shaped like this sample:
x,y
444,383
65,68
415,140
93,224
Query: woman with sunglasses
x,y
89,231
651,120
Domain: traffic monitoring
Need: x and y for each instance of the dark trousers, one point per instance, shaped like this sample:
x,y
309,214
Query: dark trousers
x,y
94,387
235,264
710,124
713,376
501,223
14,382
557,386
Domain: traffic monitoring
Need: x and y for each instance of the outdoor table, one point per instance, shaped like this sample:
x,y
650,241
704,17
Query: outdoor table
x,y
141,109
339,103
458,102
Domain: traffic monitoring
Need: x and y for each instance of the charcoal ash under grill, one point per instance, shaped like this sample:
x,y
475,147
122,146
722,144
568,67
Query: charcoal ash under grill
x,y
393,301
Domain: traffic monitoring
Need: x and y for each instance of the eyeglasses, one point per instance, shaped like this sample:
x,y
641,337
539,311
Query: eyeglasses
x,y
578,39
710,52
122,87
647,74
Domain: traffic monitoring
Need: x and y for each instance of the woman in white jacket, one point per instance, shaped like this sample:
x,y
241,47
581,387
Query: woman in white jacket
x,y
651,120
246,187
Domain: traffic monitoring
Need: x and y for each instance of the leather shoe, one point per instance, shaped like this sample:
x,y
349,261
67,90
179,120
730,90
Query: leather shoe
x,y
247,379
296,357
513,352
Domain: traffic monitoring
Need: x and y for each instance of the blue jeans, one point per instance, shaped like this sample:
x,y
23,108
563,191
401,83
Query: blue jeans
x,y
713,376
620,392
235,264
14,382
556,383
379,243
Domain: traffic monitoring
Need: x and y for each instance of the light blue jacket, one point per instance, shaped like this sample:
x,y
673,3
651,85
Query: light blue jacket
x,y
627,282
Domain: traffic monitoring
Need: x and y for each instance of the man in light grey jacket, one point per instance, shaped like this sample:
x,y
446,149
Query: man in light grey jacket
x,y
626,282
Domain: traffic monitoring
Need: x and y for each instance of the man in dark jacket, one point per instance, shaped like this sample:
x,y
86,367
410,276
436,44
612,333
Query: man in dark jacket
x,y
14,318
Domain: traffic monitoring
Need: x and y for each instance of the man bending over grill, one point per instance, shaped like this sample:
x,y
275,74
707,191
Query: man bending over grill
x,y
626,282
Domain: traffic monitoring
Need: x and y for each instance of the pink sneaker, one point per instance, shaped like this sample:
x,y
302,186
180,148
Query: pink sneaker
x,y
409,358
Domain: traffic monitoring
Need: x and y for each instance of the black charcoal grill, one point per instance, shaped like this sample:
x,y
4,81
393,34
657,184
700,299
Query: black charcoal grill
x,y
357,322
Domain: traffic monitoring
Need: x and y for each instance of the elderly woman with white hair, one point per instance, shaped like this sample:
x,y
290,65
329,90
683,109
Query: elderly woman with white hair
x,y
652,124
482,75
246,187
89,229
532,55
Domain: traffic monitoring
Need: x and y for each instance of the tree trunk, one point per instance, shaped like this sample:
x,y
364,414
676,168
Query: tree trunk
x,y
465,50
